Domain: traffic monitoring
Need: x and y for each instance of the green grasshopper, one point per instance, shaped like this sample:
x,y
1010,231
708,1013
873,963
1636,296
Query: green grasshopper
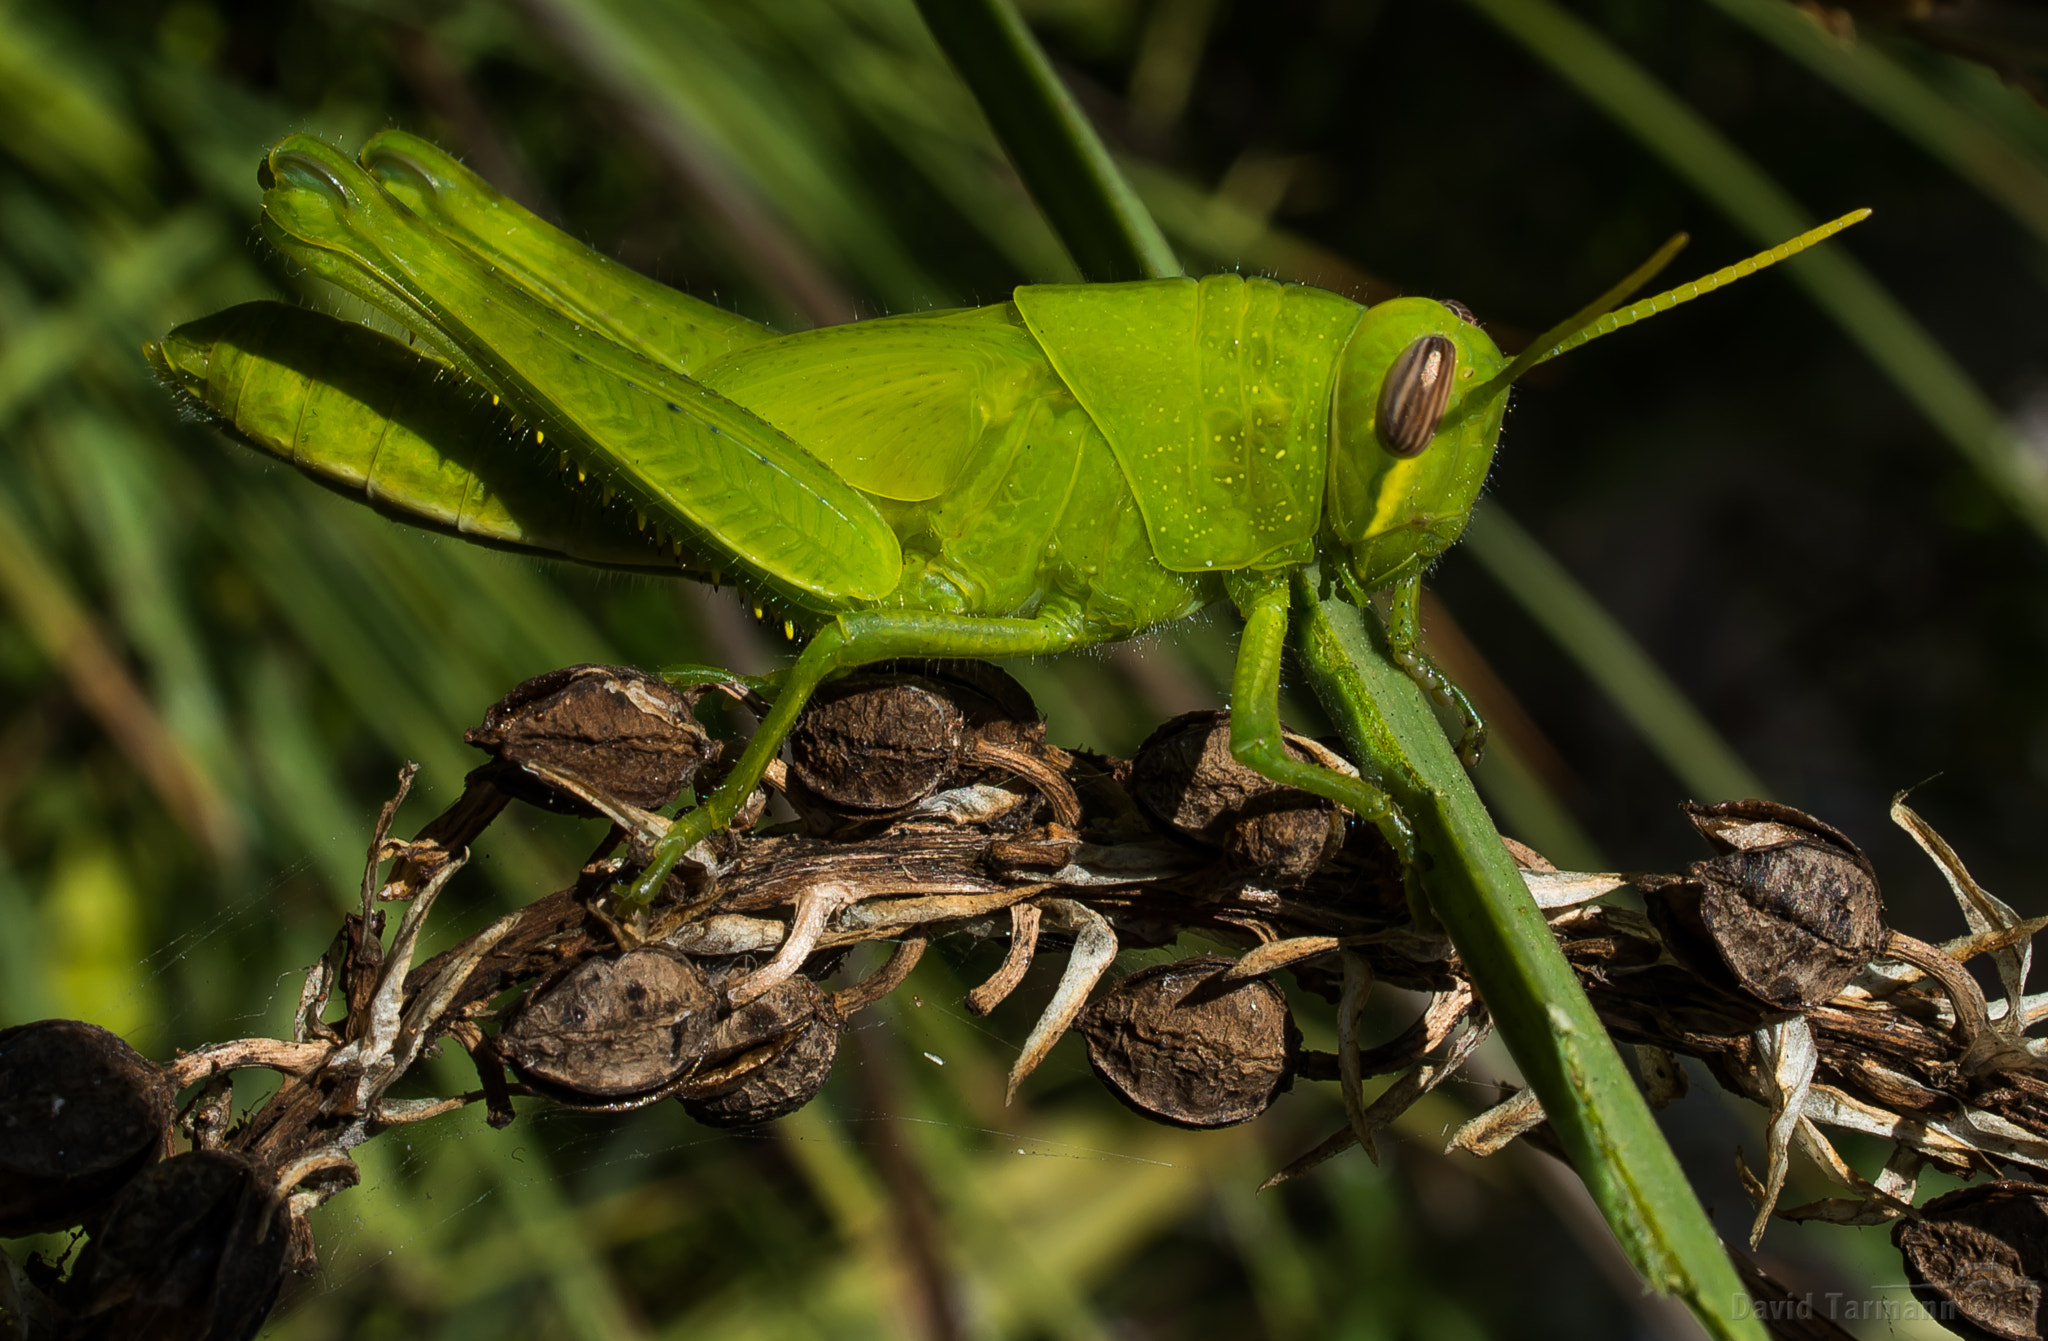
x,y
1071,467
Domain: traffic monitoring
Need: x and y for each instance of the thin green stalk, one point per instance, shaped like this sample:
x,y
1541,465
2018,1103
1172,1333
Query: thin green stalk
x,y
1751,199
1055,150
1658,709
1535,999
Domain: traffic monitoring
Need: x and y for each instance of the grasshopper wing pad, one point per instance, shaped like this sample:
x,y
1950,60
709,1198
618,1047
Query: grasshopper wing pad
x,y
374,420
1215,396
653,320
896,407
724,473
693,460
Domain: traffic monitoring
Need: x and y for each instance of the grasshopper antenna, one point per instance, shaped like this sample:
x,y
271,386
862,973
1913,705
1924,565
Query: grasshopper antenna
x,y
1602,317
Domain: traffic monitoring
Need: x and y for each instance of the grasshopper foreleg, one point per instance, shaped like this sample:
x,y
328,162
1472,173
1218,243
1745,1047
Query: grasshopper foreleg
x,y
1255,735
1404,644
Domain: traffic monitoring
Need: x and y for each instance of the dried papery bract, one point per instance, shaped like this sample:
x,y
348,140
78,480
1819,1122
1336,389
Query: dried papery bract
x,y
80,1114
613,1029
192,1250
1488,1134
1790,909
629,734
1983,1253
1185,778
1181,1044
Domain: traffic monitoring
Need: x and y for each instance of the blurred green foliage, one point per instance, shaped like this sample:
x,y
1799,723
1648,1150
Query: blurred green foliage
x,y
1797,531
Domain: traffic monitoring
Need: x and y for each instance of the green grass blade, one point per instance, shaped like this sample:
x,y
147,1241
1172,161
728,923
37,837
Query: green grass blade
x,y
1912,107
1658,709
61,124
1537,1004
670,91
884,65
59,623
1056,151
117,493
1749,197
140,273
1219,232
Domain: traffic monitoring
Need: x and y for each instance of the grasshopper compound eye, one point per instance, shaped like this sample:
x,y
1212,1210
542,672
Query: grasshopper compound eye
x,y
1417,389
1460,311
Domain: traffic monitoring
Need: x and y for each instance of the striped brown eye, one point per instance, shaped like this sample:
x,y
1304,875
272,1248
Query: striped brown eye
x,y
1417,389
1460,311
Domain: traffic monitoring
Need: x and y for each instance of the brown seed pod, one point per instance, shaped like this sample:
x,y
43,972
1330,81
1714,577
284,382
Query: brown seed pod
x,y
775,1014
883,740
613,1032
1976,1258
1790,909
1186,780
80,1114
625,733
192,1250
766,1060
996,707
1179,1046
877,743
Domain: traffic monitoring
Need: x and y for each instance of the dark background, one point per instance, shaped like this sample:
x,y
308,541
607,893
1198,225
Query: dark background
x,y
211,670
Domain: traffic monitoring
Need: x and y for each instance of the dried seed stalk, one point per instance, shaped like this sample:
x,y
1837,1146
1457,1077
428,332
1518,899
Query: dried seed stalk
x,y
1008,834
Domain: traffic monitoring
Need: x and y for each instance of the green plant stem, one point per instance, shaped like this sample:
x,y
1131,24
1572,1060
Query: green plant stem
x,y
1537,1004
1055,150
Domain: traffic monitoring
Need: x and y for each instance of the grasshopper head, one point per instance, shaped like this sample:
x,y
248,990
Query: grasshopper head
x,y
1415,417
1420,394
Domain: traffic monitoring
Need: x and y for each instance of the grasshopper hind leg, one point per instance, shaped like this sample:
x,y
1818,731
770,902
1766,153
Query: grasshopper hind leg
x,y
846,643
